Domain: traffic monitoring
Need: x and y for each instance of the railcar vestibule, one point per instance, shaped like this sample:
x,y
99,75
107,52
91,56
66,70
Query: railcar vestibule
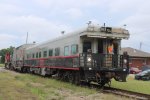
x,y
100,45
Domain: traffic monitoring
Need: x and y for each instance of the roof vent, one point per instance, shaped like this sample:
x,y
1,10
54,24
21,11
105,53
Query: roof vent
x,y
89,23
62,32
134,51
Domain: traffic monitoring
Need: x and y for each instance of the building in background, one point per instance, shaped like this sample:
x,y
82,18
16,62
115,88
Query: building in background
x,y
138,58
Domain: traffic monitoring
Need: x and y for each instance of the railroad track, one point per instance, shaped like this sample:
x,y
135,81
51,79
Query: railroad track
x,y
126,93
121,92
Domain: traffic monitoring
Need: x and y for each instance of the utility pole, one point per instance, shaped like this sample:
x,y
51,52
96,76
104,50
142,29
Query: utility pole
x,y
140,46
27,38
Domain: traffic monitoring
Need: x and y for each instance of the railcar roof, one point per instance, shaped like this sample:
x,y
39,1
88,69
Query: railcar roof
x,y
84,31
60,37
25,46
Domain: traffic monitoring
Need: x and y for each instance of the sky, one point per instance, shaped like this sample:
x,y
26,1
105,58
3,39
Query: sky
x,y
45,19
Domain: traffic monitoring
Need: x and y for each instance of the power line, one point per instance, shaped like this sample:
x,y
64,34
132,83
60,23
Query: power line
x,y
140,46
27,38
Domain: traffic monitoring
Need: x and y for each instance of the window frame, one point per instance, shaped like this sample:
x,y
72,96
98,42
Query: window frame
x,y
28,56
67,51
76,45
50,52
33,55
57,51
45,53
40,54
37,55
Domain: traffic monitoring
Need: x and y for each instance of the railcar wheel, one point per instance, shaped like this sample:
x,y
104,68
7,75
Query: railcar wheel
x,y
77,78
23,70
105,81
42,72
71,77
65,76
11,67
6,65
28,70
60,75
109,83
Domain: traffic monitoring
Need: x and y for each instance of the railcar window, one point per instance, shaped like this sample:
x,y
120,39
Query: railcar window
x,y
28,56
86,46
39,54
57,51
74,49
45,54
51,52
66,51
33,55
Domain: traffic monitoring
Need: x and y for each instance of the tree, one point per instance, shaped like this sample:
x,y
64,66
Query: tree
x,y
4,51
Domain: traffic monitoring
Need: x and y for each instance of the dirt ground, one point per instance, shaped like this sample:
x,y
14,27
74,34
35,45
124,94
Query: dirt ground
x,y
2,69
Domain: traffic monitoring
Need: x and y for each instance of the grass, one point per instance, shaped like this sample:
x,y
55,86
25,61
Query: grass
x,y
133,85
1,65
16,86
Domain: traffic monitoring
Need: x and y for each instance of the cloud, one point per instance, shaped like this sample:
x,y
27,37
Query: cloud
x,y
135,14
117,6
7,9
45,19
74,13
68,3
138,21
138,26
7,37
7,40
39,29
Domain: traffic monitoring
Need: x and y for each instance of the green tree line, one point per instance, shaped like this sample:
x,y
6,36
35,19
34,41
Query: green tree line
x,y
3,53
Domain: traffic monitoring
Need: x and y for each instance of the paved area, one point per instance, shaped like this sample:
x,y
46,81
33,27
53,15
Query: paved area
x,y
1,69
132,75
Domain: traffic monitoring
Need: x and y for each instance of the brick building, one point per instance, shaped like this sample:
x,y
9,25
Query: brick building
x,y
138,58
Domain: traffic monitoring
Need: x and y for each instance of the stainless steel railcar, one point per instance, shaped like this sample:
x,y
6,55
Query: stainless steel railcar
x,y
91,54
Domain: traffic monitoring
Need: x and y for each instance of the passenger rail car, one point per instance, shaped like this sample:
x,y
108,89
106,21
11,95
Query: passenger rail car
x,y
91,54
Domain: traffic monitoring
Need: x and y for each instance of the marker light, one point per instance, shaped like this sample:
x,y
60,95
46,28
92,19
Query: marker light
x,y
89,59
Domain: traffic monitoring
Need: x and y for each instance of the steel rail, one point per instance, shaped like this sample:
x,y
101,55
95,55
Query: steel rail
x,y
126,93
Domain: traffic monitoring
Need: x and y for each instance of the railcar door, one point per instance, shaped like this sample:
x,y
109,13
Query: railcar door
x,y
100,46
116,48
86,46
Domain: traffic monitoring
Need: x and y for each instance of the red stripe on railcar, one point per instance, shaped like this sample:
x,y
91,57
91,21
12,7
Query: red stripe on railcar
x,y
73,56
57,67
